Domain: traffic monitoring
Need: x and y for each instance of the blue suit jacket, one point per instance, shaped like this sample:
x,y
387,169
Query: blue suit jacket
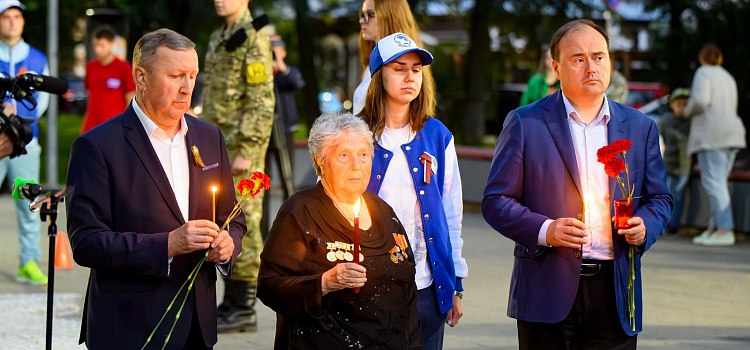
x,y
534,177
119,218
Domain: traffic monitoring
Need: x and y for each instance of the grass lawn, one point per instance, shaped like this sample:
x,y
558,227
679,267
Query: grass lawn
x,y
68,128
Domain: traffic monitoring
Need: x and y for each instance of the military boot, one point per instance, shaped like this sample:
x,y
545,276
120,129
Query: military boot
x,y
228,301
241,314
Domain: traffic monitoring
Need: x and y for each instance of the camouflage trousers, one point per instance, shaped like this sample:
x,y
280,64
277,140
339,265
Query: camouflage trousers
x,y
248,262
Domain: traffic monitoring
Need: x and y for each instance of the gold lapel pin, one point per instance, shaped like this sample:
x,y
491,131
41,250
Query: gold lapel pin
x,y
197,156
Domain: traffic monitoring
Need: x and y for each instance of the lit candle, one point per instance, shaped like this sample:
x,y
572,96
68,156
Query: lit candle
x,y
213,202
357,207
583,218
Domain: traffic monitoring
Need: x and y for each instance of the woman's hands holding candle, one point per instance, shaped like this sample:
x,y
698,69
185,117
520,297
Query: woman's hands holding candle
x,y
342,276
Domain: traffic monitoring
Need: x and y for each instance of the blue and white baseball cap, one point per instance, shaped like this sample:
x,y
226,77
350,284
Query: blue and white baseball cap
x,y
6,4
392,47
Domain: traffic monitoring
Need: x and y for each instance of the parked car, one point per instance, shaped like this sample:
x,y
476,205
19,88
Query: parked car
x,y
75,99
641,93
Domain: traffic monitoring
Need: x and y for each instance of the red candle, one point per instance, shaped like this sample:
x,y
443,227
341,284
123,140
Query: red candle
x,y
356,236
623,212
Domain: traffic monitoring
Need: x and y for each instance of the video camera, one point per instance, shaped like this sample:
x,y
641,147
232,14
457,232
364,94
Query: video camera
x,y
22,89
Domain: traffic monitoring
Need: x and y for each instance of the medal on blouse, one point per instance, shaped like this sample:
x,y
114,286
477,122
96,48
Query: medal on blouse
x,y
331,256
339,253
348,256
342,252
394,254
401,243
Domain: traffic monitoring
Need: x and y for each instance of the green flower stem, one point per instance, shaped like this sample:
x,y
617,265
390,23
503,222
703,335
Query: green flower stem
x,y
631,282
237,210
627,172
190,287
195,269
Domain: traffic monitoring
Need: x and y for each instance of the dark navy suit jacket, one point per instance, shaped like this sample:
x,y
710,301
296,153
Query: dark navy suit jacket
x,y
534,177
119,217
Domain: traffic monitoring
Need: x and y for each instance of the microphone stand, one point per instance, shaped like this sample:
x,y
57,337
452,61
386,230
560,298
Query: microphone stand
x,y
48,208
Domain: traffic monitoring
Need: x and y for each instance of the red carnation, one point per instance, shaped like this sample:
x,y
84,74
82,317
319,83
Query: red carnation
x,y
614,167
252,186
245,186
262,181
605,154
620,146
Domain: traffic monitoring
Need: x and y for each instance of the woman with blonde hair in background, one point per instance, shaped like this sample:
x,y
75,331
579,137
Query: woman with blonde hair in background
x,y
378,19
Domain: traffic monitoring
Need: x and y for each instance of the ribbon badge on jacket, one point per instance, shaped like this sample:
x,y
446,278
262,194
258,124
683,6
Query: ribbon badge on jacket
x,y
398,252
430,166
197,157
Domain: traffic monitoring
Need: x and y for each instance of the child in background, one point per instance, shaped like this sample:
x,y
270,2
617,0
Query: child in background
x,y
675,131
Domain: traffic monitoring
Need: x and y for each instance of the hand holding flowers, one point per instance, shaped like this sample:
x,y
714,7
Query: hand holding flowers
x,y
631,227
204,234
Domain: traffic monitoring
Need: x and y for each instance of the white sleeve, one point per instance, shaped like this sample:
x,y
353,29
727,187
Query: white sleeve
x,y
453,205
542,238
700,94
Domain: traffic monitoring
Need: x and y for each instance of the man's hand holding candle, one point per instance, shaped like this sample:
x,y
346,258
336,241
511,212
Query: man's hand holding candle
x,y
221,248
566,232
193,235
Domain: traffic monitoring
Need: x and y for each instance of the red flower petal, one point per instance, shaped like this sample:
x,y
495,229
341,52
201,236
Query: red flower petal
x,y
245,186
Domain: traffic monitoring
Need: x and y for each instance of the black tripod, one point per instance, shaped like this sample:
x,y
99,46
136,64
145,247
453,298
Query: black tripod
x,y
48,208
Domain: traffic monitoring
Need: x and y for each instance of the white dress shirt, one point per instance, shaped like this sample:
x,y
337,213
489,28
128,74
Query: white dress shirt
x,y
172,154
587,140
399,192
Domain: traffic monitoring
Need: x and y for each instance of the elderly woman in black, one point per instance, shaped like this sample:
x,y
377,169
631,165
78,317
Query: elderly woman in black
x,y
308,274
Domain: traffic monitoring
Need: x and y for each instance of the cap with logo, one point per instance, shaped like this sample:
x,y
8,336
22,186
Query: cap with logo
x,y
6,4
394,46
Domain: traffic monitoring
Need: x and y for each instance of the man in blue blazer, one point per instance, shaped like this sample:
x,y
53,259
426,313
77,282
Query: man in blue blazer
x,y
569,284
141,209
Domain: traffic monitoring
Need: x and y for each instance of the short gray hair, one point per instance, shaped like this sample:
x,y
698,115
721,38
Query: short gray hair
x,y
329,128
144,53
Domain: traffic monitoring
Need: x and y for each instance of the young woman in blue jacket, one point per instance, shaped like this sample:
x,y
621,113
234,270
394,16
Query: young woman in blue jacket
x,y
415,170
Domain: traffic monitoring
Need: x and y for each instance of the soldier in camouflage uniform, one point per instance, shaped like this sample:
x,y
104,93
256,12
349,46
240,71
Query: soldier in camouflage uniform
x,y
238,98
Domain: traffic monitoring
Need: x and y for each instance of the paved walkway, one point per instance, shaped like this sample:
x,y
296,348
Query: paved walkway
x,y
695,297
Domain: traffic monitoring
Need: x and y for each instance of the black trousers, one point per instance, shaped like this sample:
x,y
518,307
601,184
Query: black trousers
x,y
592,323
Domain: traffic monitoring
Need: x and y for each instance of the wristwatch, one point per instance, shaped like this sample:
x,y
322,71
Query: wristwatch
x,y
460,294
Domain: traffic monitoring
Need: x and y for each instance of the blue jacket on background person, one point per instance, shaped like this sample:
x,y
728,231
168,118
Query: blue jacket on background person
x,y
20,59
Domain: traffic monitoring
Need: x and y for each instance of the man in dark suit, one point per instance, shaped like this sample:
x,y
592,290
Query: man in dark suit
x,y
140,213
569,282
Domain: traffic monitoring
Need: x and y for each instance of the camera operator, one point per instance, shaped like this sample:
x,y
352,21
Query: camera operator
x,y
6,145
16,58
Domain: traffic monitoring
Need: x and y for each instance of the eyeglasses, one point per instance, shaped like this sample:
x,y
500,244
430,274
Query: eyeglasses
x,y
366,16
